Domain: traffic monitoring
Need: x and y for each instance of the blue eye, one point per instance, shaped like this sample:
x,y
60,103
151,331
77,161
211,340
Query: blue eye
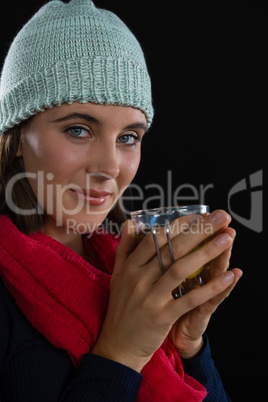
x,y
128,139
78,132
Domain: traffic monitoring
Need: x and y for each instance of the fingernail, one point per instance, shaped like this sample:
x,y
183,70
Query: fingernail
x,y
223,239
219,217
228,276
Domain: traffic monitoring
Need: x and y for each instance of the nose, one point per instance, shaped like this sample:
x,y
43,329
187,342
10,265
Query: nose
x,y
104,160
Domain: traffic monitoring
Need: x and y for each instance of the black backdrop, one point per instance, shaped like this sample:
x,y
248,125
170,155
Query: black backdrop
x,y
208,66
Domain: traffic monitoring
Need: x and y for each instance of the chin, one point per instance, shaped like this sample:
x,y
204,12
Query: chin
x,y
82,225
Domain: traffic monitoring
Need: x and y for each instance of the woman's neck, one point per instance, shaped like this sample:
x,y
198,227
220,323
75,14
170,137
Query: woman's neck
x,y
70,239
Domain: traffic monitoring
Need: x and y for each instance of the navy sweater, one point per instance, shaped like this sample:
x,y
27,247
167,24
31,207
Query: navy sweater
x,y
33,370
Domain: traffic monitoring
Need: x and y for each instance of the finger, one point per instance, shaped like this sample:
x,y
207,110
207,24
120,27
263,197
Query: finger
x,y
199,230
199,317
201,296
146,250
188,264
187,232
221,263
126,245
211,305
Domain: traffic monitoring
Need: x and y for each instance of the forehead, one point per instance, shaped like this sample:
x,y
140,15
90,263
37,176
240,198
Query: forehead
x,y
102,114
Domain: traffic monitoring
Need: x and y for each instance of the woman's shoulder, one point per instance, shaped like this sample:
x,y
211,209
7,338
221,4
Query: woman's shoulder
x,y
5,321
5,302
15,330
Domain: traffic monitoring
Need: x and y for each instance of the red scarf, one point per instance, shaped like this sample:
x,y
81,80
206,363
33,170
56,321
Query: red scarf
x,y
65,298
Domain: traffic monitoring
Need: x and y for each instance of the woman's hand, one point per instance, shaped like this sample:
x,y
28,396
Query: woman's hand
x,y
142,312
186,333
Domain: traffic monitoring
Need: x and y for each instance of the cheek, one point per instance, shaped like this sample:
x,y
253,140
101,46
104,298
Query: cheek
x,y
48,158
129,168
36,153
46,167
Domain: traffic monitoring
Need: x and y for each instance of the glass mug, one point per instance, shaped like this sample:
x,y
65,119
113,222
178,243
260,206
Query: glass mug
x,y
147,220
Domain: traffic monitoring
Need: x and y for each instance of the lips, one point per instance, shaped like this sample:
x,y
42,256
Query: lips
x,y
96,194
93,197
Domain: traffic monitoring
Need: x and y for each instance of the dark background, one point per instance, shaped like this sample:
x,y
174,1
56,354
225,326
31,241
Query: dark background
x,y
208,65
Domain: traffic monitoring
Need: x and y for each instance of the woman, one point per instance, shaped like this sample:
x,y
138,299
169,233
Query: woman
x,y
88,317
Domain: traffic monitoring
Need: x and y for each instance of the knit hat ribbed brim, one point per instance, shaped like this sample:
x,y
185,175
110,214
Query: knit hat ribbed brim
x,y
68,53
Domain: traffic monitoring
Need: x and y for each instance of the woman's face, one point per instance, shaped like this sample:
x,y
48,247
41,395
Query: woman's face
x,y
79,158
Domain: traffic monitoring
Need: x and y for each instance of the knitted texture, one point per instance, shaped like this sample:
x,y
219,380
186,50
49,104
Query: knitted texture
x,y
69,53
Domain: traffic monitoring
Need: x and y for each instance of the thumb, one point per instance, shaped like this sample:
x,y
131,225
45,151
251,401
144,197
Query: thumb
x,y
126,245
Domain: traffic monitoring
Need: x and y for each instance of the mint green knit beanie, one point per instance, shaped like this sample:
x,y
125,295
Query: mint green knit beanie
x,y
72,52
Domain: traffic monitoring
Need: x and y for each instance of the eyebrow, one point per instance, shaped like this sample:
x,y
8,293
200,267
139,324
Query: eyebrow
x,y
136,125
84,116
92,119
